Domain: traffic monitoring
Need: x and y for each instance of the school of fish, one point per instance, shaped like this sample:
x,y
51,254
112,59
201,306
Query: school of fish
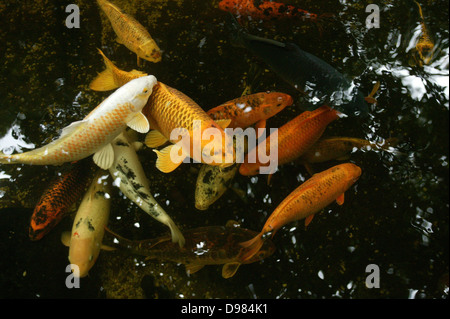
x,y
170,120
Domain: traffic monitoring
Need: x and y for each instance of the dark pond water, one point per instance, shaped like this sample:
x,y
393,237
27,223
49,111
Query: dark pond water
x,y
396,216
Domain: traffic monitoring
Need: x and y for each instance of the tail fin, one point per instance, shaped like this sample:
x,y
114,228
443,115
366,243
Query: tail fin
x,y
251,247
104,80
177,236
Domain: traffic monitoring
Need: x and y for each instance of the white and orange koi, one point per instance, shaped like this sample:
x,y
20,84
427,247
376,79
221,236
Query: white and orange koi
x,y
94,134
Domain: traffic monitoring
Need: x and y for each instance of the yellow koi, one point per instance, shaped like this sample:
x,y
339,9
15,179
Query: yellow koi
x,y
131,33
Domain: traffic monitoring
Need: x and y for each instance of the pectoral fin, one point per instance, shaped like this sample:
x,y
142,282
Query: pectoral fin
x,y
164,161
223,123
193,268
104,158
228,270
308,220
139,123
340,199
65,238
154,139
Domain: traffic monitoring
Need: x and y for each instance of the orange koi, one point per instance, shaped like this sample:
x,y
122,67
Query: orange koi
x,y
169,110
250,109
424,45
310,197
294,138
57,199
265,10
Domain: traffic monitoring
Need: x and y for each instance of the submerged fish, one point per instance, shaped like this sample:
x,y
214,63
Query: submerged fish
x,y
424,45
58,198
210,245
250,109
338,148
293,139
131,33
306,72
113,77
172,113
93,134
129,174
212,183
310,197
265,10
85,240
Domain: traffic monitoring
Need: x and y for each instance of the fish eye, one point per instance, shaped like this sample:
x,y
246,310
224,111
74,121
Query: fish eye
x,y
145,91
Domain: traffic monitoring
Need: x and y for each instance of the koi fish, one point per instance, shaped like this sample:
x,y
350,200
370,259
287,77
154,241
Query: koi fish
x,y
170,111
58,198
293,138
250,109
265,10
212,183
129,174
424,45
113,77
310,197
88,228
338,148
94,134
311,75
131,33
211,245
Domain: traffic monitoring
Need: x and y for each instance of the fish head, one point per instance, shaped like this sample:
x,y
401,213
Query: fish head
x,y
275,102
353,172
141,88
217,147
149,51
83,252
425,51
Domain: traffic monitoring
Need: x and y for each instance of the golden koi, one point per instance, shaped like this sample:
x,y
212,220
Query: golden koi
x,y
131,33
94,134
128,172
424,45
170,111
310,197
89,224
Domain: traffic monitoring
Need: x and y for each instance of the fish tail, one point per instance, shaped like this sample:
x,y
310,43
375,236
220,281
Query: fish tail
x,y
251,247
177,236
104,81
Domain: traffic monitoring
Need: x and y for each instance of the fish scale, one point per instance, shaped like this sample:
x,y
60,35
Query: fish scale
x,y
169,108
